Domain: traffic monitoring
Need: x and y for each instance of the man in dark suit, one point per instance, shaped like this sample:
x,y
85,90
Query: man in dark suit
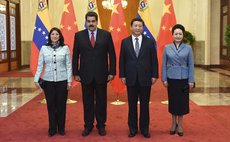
x,y
93,47
138,70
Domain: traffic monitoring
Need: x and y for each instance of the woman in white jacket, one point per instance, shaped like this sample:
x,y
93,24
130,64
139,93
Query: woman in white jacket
x,y
54,58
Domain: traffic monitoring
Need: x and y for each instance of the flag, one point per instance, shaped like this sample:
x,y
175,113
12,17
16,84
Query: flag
x,y
118,30
69,26
168,20
92,6
144,14
41,31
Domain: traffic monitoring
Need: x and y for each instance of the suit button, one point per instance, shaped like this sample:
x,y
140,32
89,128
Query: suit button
x,y
54,62
54,55
55,69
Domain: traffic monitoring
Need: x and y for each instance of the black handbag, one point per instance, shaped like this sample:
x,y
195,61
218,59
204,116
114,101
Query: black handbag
x,y
41,82
186,89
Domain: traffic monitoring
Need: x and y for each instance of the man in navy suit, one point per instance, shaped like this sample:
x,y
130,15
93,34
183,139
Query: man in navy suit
x,y
139,71
92,49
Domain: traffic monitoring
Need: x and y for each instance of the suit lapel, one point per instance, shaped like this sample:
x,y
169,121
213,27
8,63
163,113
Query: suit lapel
x,y
130,45
142,45
98,37
86,35
177,58
172,46
181,47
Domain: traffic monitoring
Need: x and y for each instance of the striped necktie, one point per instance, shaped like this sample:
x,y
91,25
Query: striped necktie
x,y
137,49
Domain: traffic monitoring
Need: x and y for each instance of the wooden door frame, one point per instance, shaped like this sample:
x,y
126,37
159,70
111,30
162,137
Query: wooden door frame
x,y
18,34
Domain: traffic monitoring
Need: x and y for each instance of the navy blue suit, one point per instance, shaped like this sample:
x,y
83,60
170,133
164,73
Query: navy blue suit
x,y
138,72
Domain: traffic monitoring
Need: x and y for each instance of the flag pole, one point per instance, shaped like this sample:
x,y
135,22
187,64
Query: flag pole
x,y
168,20
117,102
68,28
69,101
43,14
43,101
165,102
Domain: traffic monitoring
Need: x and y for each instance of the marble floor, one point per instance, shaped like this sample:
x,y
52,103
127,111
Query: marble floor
x,y
212,89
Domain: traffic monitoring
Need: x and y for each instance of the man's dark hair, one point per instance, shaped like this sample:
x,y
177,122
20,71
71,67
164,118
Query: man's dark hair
x,y
137,19
178,26
91,14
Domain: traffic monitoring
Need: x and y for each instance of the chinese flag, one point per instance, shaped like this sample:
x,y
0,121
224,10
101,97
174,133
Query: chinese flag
x,y
118,30
168,20
69,26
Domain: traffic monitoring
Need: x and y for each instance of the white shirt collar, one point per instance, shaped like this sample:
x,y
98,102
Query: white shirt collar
x,y
139,38
95,31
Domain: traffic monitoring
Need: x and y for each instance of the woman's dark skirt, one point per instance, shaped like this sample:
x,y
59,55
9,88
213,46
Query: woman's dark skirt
x,y
178,96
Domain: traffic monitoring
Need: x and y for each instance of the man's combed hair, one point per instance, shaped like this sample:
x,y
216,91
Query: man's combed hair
x,y
137,19
91,14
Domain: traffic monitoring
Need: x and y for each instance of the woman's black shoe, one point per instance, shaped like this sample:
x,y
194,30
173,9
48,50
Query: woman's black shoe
x,y
180,134
173,132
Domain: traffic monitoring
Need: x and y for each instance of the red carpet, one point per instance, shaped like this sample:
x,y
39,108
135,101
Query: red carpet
x,y
203,124
16,74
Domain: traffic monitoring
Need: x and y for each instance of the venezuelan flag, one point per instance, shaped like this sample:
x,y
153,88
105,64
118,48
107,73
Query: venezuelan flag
x,y
92,6
144,14
41,31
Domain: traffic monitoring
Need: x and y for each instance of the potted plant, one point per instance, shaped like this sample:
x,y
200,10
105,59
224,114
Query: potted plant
x,y
227,38
189,38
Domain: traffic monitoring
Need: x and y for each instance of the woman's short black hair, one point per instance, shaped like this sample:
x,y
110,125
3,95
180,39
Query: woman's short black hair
x,y
178,26
61,38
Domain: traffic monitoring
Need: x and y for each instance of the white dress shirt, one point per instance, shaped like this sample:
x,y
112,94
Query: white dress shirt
x,y
139,40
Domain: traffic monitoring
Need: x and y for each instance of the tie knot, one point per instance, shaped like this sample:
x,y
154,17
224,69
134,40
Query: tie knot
x,y
92,33
136,39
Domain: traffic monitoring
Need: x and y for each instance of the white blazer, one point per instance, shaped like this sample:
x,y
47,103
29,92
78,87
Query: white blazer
x,y
56,64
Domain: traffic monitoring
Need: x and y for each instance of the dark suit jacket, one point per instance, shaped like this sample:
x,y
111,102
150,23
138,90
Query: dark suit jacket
x,y
92,62
142,68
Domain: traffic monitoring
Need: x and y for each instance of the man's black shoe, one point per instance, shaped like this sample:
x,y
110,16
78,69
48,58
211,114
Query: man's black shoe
x,y
50,134
102,132
146,135
132,134
62,133
86,132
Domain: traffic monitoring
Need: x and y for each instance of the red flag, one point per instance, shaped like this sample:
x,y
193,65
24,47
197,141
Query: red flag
x,y
69,26
118,30
168,20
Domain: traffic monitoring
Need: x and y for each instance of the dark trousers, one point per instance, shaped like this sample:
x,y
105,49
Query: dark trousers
x,y
95,104
143,92
56,96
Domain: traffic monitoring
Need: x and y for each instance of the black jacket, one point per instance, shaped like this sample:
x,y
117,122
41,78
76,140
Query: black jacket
x,y
92,62
144,67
